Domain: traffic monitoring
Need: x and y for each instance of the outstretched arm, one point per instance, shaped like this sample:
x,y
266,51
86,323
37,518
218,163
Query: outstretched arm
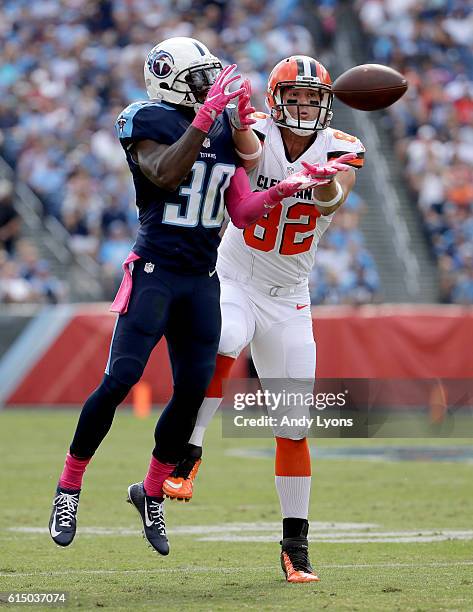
x,y
330,192
336,181
245,206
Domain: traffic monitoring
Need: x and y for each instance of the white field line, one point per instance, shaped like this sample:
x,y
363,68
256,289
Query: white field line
x,y
352,539
231,570
206,529
333,533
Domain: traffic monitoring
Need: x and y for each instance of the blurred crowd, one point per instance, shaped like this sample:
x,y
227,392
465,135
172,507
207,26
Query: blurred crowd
x,y
68,68
344,271
24,275
431,42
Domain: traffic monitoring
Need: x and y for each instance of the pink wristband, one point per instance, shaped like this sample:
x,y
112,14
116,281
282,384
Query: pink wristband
x,y
204,119
274,196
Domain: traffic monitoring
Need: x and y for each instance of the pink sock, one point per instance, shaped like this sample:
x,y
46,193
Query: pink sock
x,y
157,474
73,472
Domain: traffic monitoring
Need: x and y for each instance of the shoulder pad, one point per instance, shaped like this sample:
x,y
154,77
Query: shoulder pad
x,y
142,120
341,143
262,124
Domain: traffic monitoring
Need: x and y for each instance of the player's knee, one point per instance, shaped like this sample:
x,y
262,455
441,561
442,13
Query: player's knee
x,y
113,389
126,370
292,423
293,435
291,432
232,340
292,415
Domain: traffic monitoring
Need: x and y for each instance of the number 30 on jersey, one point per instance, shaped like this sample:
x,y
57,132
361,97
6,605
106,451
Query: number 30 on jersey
x,y
209,207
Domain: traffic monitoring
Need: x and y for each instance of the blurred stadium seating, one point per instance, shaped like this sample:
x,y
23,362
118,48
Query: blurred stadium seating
x,y
432,44
68,69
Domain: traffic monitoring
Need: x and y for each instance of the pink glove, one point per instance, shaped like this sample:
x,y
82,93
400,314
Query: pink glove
x,y
285,189
294,183
217,99
240,116
329,169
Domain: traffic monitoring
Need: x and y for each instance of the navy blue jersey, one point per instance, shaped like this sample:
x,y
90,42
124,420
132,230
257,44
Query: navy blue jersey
x,y
179,230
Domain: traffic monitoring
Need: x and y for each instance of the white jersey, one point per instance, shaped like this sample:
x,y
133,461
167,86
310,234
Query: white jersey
x,y
279,249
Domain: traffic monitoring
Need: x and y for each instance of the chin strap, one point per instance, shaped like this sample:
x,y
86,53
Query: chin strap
x,y
295,130
300,132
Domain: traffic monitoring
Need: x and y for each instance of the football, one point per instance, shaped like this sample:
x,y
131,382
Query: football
x,y
370,87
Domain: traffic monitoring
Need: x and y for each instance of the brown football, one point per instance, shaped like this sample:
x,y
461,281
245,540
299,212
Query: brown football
x,y
370,87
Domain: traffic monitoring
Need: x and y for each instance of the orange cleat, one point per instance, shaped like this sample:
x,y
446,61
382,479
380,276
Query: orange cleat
x,y
295,561
180,485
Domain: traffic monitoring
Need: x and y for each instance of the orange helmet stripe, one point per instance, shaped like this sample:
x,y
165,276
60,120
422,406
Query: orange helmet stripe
x,y
284,71
323,74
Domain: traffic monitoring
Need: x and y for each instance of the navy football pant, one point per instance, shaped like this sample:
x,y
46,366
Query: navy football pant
x,y
186,310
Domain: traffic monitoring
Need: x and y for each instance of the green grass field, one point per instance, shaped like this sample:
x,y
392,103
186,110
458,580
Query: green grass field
x,y
211,567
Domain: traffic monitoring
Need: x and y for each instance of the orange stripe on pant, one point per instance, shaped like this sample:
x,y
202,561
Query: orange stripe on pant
x,y
292,457
223,365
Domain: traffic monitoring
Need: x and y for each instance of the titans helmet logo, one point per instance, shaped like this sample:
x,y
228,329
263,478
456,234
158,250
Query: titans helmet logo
x,y
160,63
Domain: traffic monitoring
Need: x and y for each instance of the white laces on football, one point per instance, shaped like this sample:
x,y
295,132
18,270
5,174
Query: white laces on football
x,y
156,514
66,507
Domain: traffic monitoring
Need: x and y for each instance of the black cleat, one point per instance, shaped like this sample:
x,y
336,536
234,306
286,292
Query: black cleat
x,y
151,510
63,521
295,560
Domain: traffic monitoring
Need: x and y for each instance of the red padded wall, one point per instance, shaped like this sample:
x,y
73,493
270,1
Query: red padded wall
x,y
367,342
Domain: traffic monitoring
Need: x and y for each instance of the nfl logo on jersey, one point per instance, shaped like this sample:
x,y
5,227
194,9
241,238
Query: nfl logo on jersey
x,y
121,122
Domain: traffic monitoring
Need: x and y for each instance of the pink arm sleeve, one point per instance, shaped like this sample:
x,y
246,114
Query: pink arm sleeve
x,y
245,206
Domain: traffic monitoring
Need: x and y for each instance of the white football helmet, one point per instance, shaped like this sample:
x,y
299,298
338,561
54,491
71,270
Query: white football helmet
x,y
180,70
